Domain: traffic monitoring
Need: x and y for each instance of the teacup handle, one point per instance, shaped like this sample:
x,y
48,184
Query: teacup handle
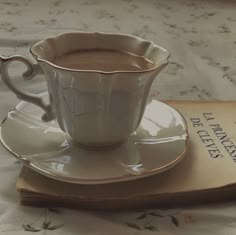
x,y
32,70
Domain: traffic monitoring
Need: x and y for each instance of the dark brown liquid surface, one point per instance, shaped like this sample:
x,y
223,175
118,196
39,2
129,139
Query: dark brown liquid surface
x,y
103,60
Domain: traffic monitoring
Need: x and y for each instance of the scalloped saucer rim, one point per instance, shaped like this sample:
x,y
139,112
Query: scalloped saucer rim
x,y
140,156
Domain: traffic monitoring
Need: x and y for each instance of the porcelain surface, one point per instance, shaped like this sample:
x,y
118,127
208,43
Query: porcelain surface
x,y
201,38
158,144
96,108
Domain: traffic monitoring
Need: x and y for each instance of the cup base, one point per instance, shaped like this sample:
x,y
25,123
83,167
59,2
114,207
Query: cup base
x,y
97,147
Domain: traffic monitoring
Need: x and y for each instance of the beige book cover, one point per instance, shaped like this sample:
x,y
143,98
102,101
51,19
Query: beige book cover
x,y
206,174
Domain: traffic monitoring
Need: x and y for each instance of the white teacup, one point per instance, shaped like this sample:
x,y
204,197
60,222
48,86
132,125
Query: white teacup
x,y
96,108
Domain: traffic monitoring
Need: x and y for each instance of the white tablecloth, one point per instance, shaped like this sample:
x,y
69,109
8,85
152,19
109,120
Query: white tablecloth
x,y
201,36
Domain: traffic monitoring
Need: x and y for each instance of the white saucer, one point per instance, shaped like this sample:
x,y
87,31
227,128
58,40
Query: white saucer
x,y
158,144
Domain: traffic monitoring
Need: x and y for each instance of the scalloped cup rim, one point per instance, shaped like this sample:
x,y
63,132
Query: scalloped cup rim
x,y
163,62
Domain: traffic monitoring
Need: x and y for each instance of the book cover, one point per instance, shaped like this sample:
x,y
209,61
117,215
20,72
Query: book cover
x,y
206,174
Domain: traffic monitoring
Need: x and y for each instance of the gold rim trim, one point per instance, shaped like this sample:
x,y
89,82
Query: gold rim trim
x,y
163,63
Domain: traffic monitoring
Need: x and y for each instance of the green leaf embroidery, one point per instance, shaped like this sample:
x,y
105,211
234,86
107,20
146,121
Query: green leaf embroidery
x,y
135,226
142,216
174,220
29,228
54,227
46,224
155,214
151,227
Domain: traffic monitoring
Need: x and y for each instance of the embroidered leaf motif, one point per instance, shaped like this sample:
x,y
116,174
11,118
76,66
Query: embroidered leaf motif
x,y
29,228
151,227
155,214
142,216
174,220
54,227
135,226
46,224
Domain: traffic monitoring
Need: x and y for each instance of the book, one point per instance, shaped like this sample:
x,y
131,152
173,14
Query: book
x,y
207,174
